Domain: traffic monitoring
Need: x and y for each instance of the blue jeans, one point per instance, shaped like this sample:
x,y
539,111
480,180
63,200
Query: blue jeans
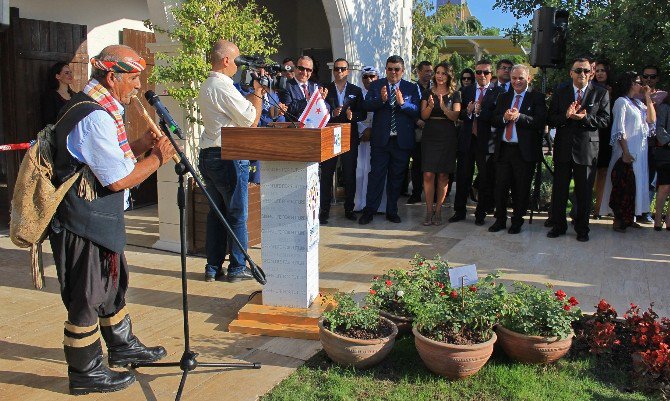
x,y
226,182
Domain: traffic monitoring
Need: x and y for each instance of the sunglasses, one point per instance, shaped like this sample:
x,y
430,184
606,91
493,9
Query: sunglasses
x,y
340,69
466,78
301,68
480,72
368,76
581,70
649,76
394,69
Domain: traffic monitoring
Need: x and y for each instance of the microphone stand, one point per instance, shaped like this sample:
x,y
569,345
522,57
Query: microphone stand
x,y
188,361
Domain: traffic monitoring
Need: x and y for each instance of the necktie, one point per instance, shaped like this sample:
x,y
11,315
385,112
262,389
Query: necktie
x,y
510,125
579,97
305,91
392,101
479,101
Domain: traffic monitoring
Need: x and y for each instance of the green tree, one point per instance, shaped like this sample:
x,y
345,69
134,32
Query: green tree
x,y
198,24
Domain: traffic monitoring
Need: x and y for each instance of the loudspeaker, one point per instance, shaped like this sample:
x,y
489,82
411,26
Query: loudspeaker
x,y
549,37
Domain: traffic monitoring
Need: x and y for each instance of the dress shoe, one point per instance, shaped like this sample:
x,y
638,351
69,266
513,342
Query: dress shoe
x,y
239,276
479,221
413,199
323,218
549,223
350,216
365,218
219,275
393,218
582,237
496,227
457,217
323,222
554,233
514,230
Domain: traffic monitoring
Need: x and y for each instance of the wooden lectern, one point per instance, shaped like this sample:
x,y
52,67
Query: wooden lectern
x,y
290,202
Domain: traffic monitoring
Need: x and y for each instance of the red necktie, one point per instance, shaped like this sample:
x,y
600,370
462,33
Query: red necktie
x,y
304,90
510,126
479,101
579,97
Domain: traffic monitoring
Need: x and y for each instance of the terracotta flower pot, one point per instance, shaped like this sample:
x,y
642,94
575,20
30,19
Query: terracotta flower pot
x,y
355,352
450,360
404,323
533,349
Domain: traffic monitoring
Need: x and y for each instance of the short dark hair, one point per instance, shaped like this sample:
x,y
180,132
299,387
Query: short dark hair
x,y
341,59
423,64
580,60
287,59
395,59
503,61
483,61
652,67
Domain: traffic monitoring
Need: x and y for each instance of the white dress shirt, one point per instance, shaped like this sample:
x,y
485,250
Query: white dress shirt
x,y
222,105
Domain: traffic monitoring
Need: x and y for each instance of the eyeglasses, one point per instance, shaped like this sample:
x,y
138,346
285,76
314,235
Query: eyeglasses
x,y
466,78
601,70
581,70
340,69
480,72
394,69
649,76
368,76
301,68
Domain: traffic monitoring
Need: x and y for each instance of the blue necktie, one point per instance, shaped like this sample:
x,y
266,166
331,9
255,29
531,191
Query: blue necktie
x,y
392,103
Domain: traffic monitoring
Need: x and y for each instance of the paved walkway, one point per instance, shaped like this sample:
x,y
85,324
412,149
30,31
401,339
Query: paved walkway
x,y
620,267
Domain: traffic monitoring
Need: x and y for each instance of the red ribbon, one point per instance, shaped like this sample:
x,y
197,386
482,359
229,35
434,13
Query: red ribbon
x,y
14,146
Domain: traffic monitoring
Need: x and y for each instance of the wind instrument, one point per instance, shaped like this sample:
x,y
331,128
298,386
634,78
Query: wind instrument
x,y
152,124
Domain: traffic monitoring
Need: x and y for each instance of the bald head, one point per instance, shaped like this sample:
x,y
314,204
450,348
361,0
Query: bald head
x,y
223,57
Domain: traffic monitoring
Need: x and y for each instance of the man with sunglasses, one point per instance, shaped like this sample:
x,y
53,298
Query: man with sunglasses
x,y
577,112
343,99
395,104
473,144
300,89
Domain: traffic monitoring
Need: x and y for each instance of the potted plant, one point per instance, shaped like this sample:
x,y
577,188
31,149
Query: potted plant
x,y
355,335
536,325
453,330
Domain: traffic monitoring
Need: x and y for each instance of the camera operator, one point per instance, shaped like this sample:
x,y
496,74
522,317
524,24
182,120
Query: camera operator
x,y
222,105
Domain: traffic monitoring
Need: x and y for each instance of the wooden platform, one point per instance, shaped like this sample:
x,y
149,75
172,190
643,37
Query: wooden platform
x,y
278,321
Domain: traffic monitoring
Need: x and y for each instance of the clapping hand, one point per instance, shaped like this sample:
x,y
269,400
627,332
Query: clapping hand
x,y
511,115
324,92
471,107
431,102
350,114
384,94
398,96
478,108
337,111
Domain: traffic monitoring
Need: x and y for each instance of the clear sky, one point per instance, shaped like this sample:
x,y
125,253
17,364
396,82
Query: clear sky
x,y
483,10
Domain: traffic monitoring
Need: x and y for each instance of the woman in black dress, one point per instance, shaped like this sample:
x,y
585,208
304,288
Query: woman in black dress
x,y
439,109
59,92
602,78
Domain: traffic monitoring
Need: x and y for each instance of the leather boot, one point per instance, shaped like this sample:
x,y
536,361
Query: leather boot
x,y
86,372
123,347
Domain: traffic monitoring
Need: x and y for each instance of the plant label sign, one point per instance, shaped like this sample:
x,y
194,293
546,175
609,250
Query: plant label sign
x,y
468,273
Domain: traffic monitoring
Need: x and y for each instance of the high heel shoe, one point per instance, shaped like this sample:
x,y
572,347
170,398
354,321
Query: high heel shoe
x,y
429,219
437,218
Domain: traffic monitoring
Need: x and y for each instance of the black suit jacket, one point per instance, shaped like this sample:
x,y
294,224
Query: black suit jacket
x,y
484,138
353,97
529,126
579,139
294,98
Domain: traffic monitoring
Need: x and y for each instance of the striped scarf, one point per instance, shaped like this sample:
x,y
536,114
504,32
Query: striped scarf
x,y
101,95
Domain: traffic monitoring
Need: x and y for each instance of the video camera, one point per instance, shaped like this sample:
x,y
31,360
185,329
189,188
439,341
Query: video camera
x,y
270,78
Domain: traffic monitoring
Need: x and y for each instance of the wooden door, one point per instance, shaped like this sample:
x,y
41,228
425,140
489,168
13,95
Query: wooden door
x,y
27,50
147,192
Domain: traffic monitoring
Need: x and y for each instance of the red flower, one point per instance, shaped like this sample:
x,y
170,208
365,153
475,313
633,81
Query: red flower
x,y
560,294
603,305
573,301
442,294
473,288
566,307
373,292
633,306
420,263
433,267
453,294
389,283
437,283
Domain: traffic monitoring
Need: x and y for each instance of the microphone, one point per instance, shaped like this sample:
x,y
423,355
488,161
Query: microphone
x,y
163,113
249,61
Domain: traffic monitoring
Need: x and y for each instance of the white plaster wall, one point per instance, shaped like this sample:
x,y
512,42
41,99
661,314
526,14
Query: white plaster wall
x,y
104,20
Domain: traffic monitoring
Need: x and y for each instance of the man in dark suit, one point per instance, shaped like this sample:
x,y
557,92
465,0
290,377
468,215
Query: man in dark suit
x,y
344,100
577,111
395,103
521,115
503,70
473,144
300,89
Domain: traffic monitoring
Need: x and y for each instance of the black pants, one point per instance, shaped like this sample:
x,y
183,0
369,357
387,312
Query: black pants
x,y
515,173
486,176
584,177
349,161
87,288
416,172
465,169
